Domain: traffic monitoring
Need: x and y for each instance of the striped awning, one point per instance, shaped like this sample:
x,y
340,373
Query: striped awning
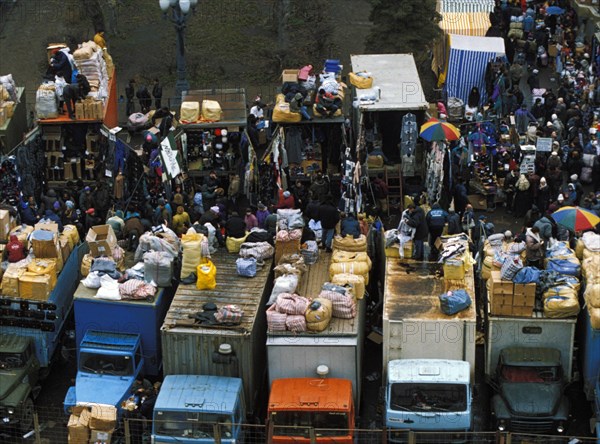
x,y
467,63
462,6
473,24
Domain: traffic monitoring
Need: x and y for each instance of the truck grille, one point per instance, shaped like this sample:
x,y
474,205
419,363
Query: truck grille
x,y
532,426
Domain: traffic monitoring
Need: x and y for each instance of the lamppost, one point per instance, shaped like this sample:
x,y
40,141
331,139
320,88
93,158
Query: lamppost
x,y
179,15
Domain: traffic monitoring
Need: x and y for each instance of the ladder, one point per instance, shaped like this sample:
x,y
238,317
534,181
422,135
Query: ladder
x,y
393,179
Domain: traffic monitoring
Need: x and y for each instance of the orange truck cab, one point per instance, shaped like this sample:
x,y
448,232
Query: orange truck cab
x,y
301,409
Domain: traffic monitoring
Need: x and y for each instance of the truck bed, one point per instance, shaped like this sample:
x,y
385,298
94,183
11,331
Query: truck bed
x,y
412,290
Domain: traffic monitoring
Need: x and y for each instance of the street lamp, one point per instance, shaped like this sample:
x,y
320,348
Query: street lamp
x,y
179,15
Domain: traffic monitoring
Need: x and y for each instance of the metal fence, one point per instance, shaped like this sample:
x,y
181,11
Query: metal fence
x,y
50,427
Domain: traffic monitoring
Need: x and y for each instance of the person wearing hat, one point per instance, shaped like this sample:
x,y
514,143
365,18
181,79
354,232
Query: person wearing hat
x,y
91,219
235,226
271,221
542,199
53,215
558,126
29,212
578,188
133,228
417,220
161,213
250,220
86,199
534,247
261,214
523,196
508,237
213,217
286,200
533,80
181,221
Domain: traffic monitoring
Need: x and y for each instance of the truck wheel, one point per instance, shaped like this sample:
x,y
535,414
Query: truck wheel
x,y
26,420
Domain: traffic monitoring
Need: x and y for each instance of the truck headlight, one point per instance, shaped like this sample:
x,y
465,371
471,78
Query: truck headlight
x,y
11,411
501,426
560,428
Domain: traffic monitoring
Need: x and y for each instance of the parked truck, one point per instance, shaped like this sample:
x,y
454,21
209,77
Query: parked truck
x,y
311,410
32,333
123,328
193,347
529,362
589,358
198,409
423,347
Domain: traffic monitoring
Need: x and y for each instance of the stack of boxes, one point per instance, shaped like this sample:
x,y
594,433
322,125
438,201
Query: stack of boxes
x,y
93,424
510,299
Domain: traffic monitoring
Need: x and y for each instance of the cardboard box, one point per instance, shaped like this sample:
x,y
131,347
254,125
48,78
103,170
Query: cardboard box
x,y
79,111
34,286
100,437
65,247
102,240
525,289
522,311
7,223
10,281
502,310
45,247
22,232
521,300
48,226
289,75
501,299
78,429
76,410
498,286
44,266
103,418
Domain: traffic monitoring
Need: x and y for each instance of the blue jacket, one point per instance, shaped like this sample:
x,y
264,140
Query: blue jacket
x,y
351,227
51,215
436,218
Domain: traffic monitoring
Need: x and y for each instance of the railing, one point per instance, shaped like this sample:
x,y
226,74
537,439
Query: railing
x,y
50,426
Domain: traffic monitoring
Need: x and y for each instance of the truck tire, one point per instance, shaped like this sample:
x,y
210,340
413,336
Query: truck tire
x,y
26,419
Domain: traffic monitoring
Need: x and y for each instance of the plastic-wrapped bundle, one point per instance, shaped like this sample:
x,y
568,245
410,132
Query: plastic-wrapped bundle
x,y
319,314
276,321
158,268
283,284
46,101
343,306
356,282
191,257
348,243
291,304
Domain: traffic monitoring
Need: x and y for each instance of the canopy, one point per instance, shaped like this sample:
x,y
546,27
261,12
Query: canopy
x,y
462,6
471,24
467,63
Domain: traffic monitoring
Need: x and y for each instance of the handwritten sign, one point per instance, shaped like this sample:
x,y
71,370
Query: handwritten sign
x,y
169,158
544,144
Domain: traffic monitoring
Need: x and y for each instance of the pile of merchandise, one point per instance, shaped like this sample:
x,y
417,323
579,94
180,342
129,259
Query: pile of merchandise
x,y
457,265
92,423
289,232
90,60
105,271
8,98
588,250
36,256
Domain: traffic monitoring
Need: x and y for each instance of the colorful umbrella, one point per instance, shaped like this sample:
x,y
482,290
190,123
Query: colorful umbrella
x,y
575,218
433,129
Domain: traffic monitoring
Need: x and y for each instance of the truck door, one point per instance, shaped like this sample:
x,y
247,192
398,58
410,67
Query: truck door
x,y
34,372
139,360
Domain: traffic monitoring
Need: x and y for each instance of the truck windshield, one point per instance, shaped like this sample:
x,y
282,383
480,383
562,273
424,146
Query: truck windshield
x,y
191,424
12,360
117,365
298,423
515,373
414,397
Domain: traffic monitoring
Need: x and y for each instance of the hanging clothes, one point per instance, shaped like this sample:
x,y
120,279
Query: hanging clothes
x,y
294,144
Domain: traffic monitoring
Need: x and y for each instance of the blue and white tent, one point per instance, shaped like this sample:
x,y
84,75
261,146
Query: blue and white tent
x,y
461,6
468,58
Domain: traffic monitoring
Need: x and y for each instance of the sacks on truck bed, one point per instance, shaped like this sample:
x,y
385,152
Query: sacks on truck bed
x,y
561,302
591,295
356,283
319,314
591,267
291,304
158,268
351,256
283,284
359,268
343,306
565,266
276,321
348,243
46,101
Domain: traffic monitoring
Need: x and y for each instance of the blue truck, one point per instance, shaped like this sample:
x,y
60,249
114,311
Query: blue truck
x,y
198,409
32,333
590,364
125,336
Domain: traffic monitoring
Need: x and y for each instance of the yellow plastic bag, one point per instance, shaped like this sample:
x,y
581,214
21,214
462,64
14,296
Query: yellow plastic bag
x,y
207,275
283,113
361,82
211,111
233,244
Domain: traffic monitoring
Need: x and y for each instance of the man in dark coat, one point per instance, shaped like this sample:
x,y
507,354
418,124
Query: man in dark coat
x,y
144,97
454,225
130,94
235,226
350,226
60,64
418,222
436,219
329,217
157,93
74,92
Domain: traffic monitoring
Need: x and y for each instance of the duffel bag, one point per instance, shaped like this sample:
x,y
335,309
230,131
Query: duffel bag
x,y
348,243
527,275
246,266
207,275
564,266
452,302
343,306
276,321
291,304
296,323
229,314
258,250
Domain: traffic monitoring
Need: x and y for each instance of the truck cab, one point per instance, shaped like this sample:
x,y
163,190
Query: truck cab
x,y
19,373
529,385
430,395
305,410
108,365
195,409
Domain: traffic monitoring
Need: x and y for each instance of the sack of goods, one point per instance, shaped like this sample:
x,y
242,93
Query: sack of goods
x,y
290,219
207,275
358,268
561,302
318,314
44,266
354,283
192,256
343,305
350,256
511,266
158,268
361,80
258,250
282,113
91,63
291,304
189,112
295,323
246,266
560,250
46,101
591,295
591,267
452,302
229,314
211,111
295,260
571,266
587,245
283,284
310,252
276,320
348,243
233,244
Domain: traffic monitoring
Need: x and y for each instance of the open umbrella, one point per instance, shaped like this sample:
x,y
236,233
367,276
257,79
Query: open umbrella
x,y
575,218
433,129
554,10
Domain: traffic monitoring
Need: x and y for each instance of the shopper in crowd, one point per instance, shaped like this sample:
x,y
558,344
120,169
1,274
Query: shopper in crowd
x,y
285,200
534,247
250,220
261,214
235,226
417,221
329,217
436,219
349,225
157,92
181,221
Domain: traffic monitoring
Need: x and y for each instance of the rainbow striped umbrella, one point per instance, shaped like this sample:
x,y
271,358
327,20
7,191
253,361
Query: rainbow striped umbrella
x,y
575,218
433,129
